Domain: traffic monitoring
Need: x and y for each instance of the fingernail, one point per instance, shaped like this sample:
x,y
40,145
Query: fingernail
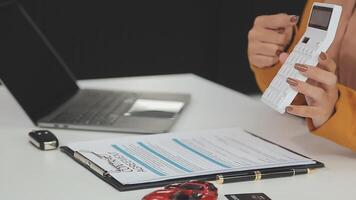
x,y
300,67
294,19
292,82
279,52
322,56
289,109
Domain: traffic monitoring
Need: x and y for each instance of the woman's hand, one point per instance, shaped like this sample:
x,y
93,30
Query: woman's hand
x,y
320,91
269,37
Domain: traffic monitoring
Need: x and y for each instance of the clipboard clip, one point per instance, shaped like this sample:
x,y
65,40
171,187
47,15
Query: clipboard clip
x,y
82,159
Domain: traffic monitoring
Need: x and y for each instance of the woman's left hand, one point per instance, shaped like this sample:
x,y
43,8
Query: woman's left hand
x,y
320,91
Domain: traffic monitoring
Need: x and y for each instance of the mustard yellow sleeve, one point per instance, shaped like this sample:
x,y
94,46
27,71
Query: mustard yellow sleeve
x,y
341,127
265,75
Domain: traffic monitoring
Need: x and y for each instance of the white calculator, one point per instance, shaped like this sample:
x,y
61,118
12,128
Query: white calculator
x,y
319,35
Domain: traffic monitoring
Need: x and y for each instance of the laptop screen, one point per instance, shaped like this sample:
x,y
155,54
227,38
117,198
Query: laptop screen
x,y
29,67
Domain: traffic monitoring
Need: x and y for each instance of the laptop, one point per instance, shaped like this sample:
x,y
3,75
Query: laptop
x,y
43,85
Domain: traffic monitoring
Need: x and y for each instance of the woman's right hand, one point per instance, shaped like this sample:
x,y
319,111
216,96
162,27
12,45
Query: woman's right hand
x,y
269,37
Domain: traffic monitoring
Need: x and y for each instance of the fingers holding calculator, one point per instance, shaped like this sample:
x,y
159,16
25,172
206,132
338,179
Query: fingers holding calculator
x,y
269,37
320,91
319,35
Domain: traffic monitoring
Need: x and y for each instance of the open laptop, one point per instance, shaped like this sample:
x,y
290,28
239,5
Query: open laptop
x,y
42,84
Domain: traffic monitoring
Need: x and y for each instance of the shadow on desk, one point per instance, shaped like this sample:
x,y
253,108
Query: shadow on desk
x,y
321,146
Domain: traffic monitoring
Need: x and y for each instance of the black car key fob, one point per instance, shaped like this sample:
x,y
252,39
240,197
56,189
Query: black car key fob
x,y
43,139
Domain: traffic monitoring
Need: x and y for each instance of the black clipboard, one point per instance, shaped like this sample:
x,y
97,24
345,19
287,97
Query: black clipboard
x,y
211,177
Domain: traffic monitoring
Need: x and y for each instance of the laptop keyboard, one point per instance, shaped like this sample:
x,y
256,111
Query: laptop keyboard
x,y
91,107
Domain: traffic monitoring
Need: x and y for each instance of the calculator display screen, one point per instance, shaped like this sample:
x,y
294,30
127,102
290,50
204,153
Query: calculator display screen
x,y
320,17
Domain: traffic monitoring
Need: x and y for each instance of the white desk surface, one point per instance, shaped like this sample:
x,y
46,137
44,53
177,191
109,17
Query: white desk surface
x,y
27,173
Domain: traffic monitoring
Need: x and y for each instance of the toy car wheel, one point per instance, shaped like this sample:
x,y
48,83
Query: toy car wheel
x,y
182,196
196,196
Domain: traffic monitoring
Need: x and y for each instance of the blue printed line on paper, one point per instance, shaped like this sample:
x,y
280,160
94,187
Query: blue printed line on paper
x,y
138,160
200,154
163,157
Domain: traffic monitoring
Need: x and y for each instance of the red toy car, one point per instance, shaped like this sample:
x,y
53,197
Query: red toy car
x,y
192,190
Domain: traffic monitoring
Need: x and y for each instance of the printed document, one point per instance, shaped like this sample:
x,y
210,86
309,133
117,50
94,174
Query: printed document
x,y
151,158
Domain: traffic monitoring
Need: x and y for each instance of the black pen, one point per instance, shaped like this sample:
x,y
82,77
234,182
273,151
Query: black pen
x,y
258,175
